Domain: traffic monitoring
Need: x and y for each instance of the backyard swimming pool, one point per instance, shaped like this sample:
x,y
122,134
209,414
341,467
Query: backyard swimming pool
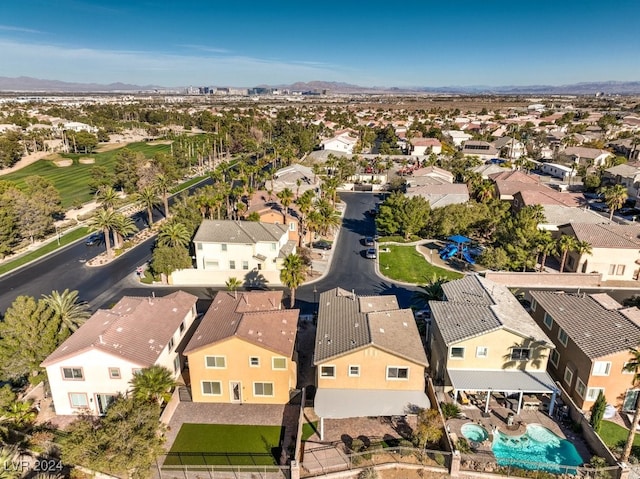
x,y
474,433
537,448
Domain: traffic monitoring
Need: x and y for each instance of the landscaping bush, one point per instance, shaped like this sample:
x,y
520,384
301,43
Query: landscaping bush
x,y
357,445
463,446
368,473
439,458
405,444
449,410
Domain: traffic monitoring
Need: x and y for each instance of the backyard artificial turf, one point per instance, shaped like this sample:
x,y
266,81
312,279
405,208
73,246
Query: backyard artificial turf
x,y
614,435
404,263
225,444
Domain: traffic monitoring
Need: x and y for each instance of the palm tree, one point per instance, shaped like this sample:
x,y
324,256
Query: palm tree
x,y
107,197
153,384
582,247
286,198
149,199
162,186
21,413
546,246
105,220
174,234
293,274
123,227
328,216
232,285
432,290
9,457
68,308
566,243
614,197
305,203
633,365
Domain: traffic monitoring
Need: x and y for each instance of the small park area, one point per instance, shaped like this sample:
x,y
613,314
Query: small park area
x,y
225,444
404,263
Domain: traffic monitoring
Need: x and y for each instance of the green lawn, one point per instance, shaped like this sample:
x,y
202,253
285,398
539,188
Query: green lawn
x,y
309,429
223,444
614,435
404,263
72,181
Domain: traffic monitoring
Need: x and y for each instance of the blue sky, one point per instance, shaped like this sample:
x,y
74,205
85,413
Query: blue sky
x,y
367,42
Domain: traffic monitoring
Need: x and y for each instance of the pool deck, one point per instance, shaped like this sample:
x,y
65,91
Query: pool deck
x,y
497,419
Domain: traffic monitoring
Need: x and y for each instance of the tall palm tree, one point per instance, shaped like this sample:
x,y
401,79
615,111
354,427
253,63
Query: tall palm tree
x,y
174,234
232,285
286,198
149,199
153,384
614,198
305,203
431,291
162,186
633,365
329,217
105,220
582,248
566,243
546,246
293,274
107,197
68,308
123,227
9,458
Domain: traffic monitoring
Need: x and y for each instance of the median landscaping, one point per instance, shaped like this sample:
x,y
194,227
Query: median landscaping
x,y
404,263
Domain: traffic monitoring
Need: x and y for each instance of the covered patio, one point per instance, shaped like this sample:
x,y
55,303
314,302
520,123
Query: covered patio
x,y
512,388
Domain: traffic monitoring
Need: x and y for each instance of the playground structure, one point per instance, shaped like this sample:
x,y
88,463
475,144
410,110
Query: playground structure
x,y
458,246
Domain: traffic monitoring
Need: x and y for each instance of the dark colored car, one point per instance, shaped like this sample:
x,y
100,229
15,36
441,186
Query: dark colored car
x,y
322,244
94,239
368,241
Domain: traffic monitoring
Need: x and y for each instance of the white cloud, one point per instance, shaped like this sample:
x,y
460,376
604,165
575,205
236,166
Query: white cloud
x,y
13,28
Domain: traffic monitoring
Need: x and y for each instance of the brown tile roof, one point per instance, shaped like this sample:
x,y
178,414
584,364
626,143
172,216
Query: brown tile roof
x,y
596,330
515,175
136,329
605,235
425,142
255,316
548,196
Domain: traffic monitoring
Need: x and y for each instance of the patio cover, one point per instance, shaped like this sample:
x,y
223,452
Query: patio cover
x,y
459,239
510,380
345,403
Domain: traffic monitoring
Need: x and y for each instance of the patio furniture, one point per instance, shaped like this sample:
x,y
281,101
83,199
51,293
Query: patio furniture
x,y
531,403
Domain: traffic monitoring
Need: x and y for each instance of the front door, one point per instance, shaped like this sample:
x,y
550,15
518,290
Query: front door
x,y
235,388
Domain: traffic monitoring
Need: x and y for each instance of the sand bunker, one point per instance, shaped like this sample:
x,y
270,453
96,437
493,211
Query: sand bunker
x,y
87,161
63,163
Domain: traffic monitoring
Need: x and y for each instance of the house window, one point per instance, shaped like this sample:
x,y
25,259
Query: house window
x,y
245,265
548,321
278,363
568,376
292,226
72,373
176,364
199,246
327,371
592,393
456,353
354,371
580,388
211,388
616,269
135,371
520,354
555,357
562,337
482,352
274,246
223,247
211,264
627,371
182,327
254,361
171,343
620,270
232,264
215,362
397,373
78,400
534,305
263,389
114,373
601,368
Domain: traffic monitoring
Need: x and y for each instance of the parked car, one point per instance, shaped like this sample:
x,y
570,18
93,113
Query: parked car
x,y
602,207
371,253
94,239
423,314
322,244
368,241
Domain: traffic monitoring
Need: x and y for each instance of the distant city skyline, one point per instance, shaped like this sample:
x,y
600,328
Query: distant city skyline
x,y
373,43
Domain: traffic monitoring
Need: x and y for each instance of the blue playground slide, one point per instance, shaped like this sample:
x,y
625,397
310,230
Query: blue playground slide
x,y
467,256
448,252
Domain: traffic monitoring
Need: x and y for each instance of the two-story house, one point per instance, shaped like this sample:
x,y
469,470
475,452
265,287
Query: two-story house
x,y
592,334
369,358
243,350
425,146
97,362
482,340
250,251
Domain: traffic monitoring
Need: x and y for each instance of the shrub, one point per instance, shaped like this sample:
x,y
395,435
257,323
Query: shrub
x,y
404,443
449,410
463,446
357,445
368,473
439,458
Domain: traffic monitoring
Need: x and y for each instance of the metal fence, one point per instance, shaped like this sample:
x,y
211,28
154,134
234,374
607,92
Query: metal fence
x,y
219,466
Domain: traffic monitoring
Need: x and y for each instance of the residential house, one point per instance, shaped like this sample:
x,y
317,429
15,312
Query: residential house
x,y
510,148
615,250
547,196
430,172
369,358
97,362
297,178
556,215
481,339
592,334
627,175
565,173
458,137
508,183
243,350
250,251
587,156
482,149
440,194
425,146
343,143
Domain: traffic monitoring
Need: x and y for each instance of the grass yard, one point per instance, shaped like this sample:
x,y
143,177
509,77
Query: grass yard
x,y
225,444
614,435
404,263
72,181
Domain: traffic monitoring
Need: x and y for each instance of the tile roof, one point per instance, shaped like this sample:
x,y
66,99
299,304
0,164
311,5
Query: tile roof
x,y
560,215
347,322
595,329
425,142
136,329
605,235
255,316
239,232
515,175
548,196
476,306
584,152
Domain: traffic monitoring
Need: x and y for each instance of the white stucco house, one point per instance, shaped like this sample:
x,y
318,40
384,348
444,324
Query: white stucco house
x,y
343,143
425,146
250,251
97,362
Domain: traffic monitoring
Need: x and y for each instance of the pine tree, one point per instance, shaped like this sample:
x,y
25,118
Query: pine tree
x,y
597,411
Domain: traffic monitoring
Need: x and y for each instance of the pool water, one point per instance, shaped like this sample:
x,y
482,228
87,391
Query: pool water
x,y
537,448
474,433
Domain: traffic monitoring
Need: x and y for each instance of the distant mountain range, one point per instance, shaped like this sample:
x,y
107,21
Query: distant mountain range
x,y
28,84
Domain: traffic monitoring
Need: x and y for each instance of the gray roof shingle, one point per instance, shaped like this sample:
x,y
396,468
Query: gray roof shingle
x,y
238,232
